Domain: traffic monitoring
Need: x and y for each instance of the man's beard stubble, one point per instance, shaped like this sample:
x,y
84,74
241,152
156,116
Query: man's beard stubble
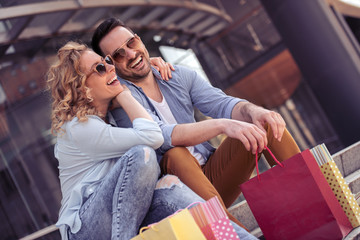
x,y
134,77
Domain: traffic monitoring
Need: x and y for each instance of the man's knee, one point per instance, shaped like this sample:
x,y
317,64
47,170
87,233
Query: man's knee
x,y
175,152
177,161
178,155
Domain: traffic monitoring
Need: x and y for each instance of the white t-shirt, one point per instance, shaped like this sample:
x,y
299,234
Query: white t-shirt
x,y
168,118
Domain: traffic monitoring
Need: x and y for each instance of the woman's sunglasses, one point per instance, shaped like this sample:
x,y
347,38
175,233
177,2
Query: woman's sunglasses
x,y
132,43
101,68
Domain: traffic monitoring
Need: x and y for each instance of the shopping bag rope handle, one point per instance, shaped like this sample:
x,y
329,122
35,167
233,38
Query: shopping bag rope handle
x,y
257,160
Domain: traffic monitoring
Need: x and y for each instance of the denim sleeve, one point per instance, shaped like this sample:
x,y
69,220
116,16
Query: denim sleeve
x,y
211,101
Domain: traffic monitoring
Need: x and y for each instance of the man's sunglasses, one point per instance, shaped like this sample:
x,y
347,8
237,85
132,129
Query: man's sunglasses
x,y
132,43
101,68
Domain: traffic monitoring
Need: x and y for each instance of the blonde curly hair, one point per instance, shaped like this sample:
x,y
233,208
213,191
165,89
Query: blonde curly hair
x,y
66,82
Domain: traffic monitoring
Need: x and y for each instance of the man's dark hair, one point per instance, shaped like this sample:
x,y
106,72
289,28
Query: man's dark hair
x,y
102,30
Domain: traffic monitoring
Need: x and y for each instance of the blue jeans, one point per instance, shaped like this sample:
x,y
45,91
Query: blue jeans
x,y
131,196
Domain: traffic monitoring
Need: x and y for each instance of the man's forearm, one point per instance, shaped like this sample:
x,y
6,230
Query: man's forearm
x,y
191,134
242,111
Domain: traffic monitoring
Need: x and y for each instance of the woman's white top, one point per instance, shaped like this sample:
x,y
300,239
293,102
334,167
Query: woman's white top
x,y
86,152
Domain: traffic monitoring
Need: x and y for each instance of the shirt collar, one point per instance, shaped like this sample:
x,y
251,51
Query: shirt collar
x,y
156,74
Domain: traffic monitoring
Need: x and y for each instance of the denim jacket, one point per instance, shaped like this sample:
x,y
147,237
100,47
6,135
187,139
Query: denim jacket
x,y
184,91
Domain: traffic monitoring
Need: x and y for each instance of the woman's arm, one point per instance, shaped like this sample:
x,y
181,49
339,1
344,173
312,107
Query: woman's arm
x,y
101,141
131,106
163,67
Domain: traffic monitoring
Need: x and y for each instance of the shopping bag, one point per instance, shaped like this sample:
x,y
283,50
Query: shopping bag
x,y
213,221
293,201
179,226
337,184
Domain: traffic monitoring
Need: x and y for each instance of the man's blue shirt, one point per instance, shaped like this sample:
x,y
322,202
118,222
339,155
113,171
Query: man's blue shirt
x,y
184,91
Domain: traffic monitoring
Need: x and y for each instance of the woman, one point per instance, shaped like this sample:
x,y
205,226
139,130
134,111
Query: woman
x,y
108,175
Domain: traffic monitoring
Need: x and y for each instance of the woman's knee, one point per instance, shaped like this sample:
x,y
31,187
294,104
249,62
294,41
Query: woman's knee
x,y
144,160
176,191
143,154
168,181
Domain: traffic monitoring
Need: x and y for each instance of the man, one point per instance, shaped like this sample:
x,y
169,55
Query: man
x,y
208,172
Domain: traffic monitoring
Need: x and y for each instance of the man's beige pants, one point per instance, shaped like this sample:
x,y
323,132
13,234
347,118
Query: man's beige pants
x,y
226,169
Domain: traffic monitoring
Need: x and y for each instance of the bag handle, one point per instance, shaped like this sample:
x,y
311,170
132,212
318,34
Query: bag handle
x,y
147,227
257,165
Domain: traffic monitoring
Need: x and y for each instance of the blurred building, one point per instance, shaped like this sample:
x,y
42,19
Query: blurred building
x,y
300,58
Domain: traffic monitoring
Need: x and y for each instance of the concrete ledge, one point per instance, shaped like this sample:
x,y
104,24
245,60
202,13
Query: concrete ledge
x,y
353,180
348,159
354,234
242,212
257,232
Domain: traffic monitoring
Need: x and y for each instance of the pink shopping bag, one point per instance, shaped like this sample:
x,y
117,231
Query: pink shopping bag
x,y
294,201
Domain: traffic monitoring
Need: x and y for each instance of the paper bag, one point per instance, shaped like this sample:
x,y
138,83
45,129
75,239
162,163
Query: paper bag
x,y
180,226
294,201
213,221
337,183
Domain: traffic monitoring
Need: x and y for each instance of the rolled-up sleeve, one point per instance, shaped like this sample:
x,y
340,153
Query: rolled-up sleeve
x,y
167,130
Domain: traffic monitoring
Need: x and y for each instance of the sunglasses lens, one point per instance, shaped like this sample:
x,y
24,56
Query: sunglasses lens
x,y
119,54
108,60
100,68
132,43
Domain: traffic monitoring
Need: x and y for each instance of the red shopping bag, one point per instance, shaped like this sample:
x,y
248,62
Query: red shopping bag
x,y
294,201
211,217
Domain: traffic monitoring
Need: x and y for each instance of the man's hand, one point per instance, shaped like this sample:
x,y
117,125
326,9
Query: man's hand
x,y
245,111
163,67
253,137
191,134
262,116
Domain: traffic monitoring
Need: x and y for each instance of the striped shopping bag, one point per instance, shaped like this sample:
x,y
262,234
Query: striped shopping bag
x,y
213,221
